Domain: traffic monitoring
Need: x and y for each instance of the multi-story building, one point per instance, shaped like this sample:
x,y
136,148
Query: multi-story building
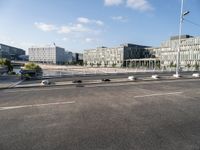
x,y
48,54
77,57
10,52
69,56
116,56
189,51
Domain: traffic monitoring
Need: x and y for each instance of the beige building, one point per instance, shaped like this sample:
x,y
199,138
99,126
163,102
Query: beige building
x,y
131,55
189,51
114,57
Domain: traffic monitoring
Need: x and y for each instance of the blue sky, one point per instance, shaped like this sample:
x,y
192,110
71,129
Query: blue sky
x,y
81,24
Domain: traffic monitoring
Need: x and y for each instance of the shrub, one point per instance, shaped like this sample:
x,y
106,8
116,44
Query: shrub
x,y
6,62
32,66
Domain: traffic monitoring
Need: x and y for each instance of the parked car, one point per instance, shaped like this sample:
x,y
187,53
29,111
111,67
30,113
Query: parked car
x,y
77,81
45,82
131,78
105,80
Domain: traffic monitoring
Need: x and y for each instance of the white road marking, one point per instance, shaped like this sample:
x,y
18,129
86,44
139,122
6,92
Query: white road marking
x,y
35,105
158,94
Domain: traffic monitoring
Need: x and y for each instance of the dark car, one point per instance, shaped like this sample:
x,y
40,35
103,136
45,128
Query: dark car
x,y
105,80
77,81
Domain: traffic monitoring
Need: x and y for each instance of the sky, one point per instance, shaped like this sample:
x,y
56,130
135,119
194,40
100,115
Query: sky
x,y
83,24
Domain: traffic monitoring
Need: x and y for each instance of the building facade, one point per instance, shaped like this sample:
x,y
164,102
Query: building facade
x,y
77,57
69,56
9,52
189,51
114,57
48,54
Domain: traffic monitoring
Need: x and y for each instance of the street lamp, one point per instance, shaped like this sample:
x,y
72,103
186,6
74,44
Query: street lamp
x,y
179,43
185,13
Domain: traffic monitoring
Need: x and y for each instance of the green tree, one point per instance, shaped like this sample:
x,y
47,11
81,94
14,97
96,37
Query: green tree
x,y
113,65
196,66
188,65
171,64
6,62
98,64
91,64
33,66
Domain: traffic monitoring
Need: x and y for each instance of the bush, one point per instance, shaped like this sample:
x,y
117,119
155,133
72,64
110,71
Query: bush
x,y
32,66
12,73
6,62
26,77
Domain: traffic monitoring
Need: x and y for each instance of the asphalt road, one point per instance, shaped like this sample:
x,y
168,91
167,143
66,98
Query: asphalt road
x,y
160,115
109,76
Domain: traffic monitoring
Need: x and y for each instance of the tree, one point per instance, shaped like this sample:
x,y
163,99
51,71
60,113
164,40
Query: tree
x,y
188,65
91,64
196,66
7,63
85,63
113,65
158,65
171,64
32,66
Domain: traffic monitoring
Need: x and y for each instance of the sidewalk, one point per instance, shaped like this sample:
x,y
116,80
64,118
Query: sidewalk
x,y
9,81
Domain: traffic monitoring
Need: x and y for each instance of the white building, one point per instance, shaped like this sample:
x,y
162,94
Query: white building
x,y
189,51
47,54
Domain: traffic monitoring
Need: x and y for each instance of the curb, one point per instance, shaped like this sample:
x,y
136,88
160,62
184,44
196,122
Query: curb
x,y
11,85
148,79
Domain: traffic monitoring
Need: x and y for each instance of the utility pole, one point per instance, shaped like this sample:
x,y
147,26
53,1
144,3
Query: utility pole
x,y
179,43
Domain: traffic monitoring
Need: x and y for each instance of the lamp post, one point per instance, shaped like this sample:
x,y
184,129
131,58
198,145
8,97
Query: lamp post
x,y
179,43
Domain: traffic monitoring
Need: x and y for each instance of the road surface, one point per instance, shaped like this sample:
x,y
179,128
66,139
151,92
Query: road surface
x,y
160,115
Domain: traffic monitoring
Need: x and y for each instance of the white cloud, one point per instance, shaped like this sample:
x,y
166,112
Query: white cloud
x,y
73,28
83,29
141,5
119,18
113,2
99,22
85,20
88,40
45,27
65,39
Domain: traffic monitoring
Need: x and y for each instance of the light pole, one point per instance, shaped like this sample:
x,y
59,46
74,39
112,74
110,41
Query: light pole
x,y
179,43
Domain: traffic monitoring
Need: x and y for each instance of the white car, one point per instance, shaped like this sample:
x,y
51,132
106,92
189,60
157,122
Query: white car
x,y
155,76
132,78
196,75
45,82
